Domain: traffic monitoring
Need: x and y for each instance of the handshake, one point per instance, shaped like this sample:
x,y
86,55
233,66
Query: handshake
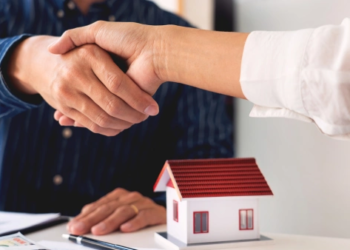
x,y
76,75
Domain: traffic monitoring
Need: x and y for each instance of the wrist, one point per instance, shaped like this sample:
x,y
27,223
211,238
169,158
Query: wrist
x,y
18,59
162,51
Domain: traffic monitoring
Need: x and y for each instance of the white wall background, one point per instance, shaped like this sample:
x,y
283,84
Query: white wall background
x,y
169,5
308,172
198,12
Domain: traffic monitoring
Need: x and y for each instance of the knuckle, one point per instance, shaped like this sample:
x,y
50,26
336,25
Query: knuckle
x,y
113,107
119,190
84,107
66,110
135,195
103,208
67,33
113,82
86,51
103,121
148,201
124,209
87,208
98,24
61,90
94,128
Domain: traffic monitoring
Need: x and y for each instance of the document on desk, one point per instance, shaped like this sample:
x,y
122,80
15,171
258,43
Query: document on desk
x,y
18,242
10,221
57,245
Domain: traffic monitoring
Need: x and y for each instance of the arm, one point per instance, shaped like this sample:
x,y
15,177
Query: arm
x,y
171,53
301,74
96,100
11,103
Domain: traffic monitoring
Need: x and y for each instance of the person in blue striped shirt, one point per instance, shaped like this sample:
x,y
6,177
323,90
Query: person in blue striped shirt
x,y
105,181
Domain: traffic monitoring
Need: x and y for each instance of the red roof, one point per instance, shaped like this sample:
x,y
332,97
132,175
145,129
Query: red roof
x,y
216,178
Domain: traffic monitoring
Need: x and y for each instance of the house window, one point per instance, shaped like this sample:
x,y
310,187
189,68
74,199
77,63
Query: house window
x,y
200,222
246,219
176,211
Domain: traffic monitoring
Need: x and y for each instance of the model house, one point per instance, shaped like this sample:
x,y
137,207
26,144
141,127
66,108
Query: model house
x,y
212,200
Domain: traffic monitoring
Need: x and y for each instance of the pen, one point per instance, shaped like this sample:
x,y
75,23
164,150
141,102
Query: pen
x,y
96,244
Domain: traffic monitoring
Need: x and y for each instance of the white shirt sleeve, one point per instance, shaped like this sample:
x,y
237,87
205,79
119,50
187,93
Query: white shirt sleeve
x,y
301,74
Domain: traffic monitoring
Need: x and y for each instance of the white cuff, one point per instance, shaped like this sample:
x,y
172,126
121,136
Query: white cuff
x,y
271,69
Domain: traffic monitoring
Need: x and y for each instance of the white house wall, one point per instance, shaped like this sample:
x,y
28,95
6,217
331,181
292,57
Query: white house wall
x,y
176,229
223,219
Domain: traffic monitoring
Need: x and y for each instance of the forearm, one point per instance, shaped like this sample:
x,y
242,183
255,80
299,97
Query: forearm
x,y
10,103
25,64
204,59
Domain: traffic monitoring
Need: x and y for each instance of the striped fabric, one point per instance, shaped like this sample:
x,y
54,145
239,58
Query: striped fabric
x,y
47,168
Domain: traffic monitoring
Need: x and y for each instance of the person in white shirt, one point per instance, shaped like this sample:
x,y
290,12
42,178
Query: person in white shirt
x,y
301,74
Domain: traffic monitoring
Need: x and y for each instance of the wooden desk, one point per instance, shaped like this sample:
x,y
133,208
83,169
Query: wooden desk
x,y
145,239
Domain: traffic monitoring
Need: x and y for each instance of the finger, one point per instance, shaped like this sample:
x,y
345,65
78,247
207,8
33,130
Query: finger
x,y
104,34
72,39
117,194
62,119
113,222
97,115
146,217
83,225
57,115
131,198
124,213
117,94
87,123
114,195
66,121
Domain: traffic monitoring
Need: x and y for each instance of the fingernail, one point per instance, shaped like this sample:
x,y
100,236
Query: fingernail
x,y
152,110
78,227
67,227
100,227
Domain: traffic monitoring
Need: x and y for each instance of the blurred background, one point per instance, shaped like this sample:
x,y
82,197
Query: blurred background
x,y
308,172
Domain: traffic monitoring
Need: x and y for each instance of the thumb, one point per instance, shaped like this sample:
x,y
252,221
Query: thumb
x,y
73,38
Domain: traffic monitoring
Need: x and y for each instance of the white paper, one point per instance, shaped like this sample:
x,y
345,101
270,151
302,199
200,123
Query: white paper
x,y
56,245
10,221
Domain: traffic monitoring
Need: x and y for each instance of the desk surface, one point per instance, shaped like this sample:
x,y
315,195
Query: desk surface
x,y
145,239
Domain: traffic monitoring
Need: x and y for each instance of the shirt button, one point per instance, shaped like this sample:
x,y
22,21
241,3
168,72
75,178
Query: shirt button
x,y
60,13
57,180
71,5
111,18
67,133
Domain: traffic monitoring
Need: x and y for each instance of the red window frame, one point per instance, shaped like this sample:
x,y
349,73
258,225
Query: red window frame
x,y
239,215
201,218
176,211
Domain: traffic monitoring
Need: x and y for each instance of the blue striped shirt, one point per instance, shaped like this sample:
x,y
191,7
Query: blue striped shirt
x,y
47,168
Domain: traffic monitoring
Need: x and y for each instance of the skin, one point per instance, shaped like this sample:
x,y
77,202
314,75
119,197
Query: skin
x,y
113,212
99,99
155,54
86,85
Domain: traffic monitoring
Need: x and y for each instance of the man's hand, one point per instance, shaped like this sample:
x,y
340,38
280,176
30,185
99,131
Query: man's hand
x,y
137,44
120,209
84,84
133,42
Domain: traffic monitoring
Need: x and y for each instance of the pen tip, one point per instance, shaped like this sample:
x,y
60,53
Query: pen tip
x,y
66,236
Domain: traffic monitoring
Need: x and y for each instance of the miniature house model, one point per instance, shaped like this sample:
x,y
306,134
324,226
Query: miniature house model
x,y
212,200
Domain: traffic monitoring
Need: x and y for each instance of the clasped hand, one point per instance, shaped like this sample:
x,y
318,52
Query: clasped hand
x,y
132,42
85,85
